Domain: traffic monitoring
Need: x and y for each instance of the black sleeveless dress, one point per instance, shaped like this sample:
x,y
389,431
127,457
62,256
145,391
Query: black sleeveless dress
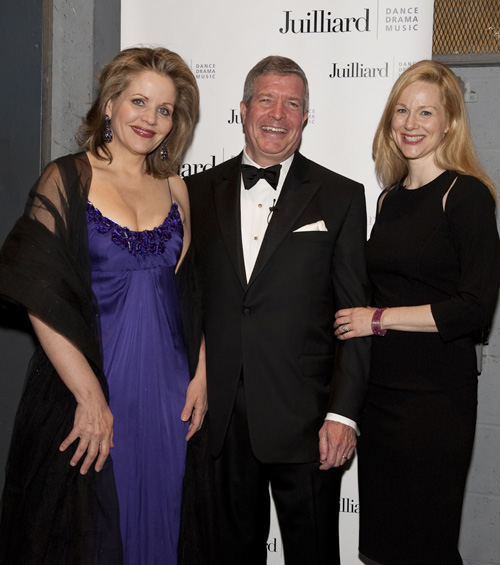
x,y
418,427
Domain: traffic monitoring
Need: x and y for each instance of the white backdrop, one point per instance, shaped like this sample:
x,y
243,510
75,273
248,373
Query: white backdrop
x,y
351,51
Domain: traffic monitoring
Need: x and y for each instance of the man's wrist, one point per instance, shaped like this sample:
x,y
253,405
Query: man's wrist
x,y
332,417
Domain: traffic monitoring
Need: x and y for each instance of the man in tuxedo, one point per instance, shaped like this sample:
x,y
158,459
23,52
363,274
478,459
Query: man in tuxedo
x,y
279,243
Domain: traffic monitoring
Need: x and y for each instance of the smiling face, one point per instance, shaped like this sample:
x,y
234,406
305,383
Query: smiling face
x,y
141,117
419,123
274,118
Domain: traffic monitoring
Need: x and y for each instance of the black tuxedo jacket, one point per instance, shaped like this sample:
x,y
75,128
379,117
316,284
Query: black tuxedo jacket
x,y
277,330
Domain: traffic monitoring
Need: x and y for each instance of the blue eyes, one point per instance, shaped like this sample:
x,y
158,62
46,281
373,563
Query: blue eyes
x,y
162,110
405,111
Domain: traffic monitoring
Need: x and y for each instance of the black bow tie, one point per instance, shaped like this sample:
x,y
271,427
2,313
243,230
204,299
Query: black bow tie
x,y
251,175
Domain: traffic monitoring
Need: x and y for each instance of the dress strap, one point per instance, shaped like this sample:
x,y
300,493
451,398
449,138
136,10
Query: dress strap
x,y
170,190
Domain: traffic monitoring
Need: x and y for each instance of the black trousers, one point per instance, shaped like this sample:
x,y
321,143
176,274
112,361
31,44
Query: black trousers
x,y
306,500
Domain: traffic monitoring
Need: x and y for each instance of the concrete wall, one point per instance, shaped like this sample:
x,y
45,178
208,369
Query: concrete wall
x,y
83,35
50,54
20,100
480,534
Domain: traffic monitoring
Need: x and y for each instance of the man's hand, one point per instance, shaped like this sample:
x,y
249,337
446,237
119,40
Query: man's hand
x,y
336,444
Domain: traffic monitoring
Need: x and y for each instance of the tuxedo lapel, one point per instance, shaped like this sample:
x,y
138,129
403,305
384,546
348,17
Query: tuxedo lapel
x,y
296,193
227,204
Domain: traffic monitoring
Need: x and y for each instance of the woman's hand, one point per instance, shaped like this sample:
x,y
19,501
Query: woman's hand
x,y
357,322
93,424
196,403
353,322
196,396
93,421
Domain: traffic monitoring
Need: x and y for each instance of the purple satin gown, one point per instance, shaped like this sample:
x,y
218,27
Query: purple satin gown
x,y
145,362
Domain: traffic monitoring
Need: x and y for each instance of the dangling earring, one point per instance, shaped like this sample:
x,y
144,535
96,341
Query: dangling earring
x,y
108,134
163,151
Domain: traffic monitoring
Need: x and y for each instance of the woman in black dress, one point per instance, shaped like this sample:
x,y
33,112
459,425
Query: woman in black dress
x,y
434,263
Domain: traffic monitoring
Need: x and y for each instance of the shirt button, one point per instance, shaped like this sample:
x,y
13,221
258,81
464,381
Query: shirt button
x,y
259,205
255,237
246,311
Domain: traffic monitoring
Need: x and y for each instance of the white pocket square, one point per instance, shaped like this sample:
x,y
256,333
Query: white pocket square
x,y
316,226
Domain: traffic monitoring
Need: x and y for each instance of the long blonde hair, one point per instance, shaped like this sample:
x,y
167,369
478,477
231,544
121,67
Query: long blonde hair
x,y
456,151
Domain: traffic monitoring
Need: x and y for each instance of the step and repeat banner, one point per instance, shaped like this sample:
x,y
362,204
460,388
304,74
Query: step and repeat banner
x,y
352,51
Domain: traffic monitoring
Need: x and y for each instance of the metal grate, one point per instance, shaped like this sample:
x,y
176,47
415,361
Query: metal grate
x,y
466,26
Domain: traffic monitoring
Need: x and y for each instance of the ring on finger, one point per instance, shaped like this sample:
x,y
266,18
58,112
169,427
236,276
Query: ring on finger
x,y
344,328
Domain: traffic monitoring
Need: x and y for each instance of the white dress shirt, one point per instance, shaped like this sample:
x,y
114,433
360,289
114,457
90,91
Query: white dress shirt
x,y
255,217
255,213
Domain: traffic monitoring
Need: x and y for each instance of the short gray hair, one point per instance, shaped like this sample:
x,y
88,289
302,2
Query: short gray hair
x,y
274,64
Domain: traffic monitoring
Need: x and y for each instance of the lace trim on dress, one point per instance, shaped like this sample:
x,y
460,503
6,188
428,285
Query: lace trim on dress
x,y
147,242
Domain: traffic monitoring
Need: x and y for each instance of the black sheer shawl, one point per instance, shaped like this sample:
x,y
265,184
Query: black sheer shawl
x,y
198,519
50,513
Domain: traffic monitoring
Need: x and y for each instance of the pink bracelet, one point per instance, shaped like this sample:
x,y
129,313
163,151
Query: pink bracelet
x,y
376,329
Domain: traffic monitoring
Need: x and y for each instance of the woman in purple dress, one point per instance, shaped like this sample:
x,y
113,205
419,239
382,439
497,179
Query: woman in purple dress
x,y
94,261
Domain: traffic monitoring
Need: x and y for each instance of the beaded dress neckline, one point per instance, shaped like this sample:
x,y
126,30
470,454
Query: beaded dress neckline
x,y
146,242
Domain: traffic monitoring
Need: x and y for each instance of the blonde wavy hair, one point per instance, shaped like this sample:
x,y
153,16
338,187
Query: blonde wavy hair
x,y
114,79
456,151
